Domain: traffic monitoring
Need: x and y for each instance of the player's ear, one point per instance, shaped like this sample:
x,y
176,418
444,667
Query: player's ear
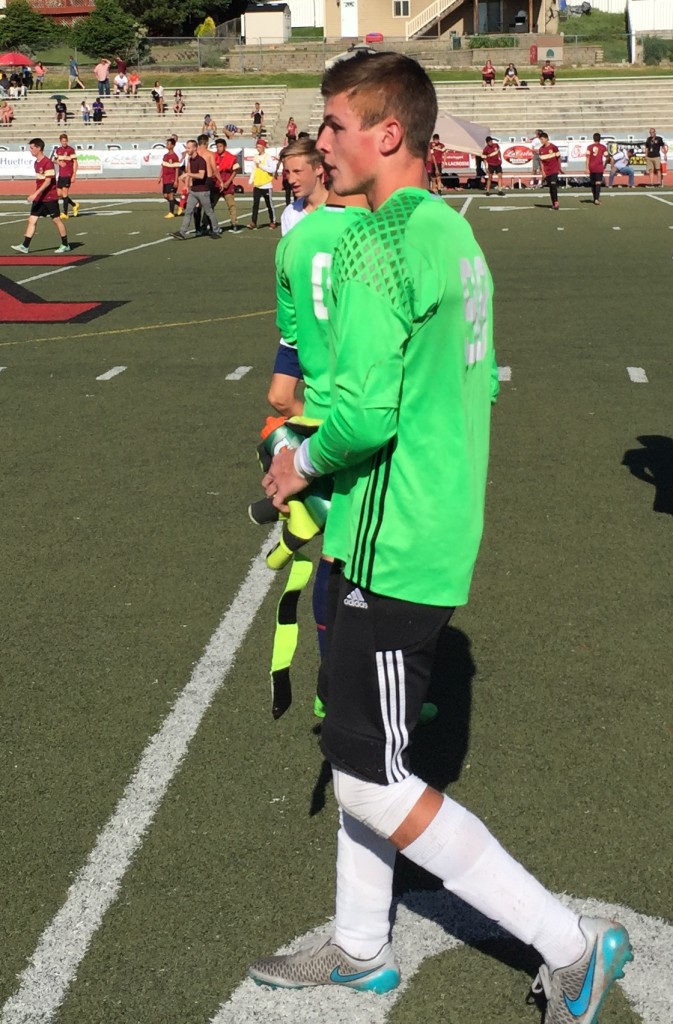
x,y
391,136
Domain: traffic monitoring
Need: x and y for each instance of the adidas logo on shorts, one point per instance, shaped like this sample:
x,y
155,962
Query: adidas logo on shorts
x,y
355,599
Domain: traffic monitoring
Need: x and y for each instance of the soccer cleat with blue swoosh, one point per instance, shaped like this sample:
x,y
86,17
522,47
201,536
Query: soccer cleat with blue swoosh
x,y
321,962
575,994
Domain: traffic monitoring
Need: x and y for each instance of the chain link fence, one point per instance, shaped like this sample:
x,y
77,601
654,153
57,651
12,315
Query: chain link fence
x,y
227,51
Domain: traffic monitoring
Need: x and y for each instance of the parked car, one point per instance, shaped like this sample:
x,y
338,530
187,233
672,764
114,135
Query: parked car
x,y
352,50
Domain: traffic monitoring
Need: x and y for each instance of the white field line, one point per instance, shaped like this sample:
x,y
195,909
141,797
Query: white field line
x,y
2,368
64,943
431,923
238,373
637,374
659,199
504,373
22,220
47,273
120,252
466,205
114,372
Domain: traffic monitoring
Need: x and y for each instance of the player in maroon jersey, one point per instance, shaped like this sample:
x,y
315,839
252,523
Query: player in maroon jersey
x,y
550,159
168,176
597,157
65,159
493,156
434,163
43,200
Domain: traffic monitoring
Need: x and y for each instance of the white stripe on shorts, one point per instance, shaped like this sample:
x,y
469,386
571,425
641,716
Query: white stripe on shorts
x,y
392,699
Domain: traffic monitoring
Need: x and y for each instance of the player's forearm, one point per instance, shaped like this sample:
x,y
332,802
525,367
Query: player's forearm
x,y
349,435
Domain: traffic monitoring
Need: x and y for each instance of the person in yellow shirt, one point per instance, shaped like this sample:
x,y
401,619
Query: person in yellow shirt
x,y
261,180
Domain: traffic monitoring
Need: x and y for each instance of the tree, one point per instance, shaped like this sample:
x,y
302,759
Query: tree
x,y
173,17
107,30
207,28
23,27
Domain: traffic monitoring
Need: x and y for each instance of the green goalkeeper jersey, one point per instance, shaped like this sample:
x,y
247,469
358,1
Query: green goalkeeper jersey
x,y
303,270
407,434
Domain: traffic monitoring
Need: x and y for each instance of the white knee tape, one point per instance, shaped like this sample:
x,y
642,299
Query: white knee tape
x,y
382,808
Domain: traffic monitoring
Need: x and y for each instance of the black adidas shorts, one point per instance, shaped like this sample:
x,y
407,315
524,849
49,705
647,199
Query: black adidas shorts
x,y
375,678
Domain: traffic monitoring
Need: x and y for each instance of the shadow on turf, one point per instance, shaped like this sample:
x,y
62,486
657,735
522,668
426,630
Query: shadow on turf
x,y
653,463
467,925
438,749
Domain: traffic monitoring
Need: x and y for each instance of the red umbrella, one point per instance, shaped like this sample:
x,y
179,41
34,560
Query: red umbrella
x,y
14,58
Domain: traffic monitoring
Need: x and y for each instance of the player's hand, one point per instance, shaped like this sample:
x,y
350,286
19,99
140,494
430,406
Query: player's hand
x,y
283,481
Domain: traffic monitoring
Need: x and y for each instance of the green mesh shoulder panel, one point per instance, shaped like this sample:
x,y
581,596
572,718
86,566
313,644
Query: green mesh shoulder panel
x,y
373,252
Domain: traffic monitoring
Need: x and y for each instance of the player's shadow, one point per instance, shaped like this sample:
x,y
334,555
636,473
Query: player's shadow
x,y
438,749
653,463
463,926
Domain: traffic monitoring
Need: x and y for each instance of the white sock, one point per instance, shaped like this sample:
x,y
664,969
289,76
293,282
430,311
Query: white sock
x,y
460,850
365,864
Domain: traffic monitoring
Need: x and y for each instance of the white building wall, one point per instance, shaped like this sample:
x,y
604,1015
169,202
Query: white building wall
x,y
306,13
651,15
609,6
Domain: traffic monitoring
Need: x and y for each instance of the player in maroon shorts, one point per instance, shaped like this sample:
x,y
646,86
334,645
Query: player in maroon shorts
x,y
170,167
550,159
44,200
65,159
597,156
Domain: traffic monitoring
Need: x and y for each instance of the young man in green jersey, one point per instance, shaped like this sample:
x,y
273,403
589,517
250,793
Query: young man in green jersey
x,y
303,269
407,440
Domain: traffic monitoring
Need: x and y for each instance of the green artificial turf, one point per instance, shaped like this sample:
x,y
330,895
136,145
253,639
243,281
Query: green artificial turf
x,y
125,539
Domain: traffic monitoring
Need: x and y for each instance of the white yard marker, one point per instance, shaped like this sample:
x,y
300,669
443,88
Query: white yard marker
x,y
114,372
637,374
504,373
616,229
63,945
2,368
238,373
505,209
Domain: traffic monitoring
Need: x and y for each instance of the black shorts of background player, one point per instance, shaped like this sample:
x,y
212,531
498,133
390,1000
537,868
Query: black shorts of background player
x,y
43,200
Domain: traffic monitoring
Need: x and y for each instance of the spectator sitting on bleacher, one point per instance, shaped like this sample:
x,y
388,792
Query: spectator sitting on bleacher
x,y
209,127
61,111
121,84
98,110
17,89
232,129
487,75
511,76
134,83
4,84
178,102
619,164
6,112
548,74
